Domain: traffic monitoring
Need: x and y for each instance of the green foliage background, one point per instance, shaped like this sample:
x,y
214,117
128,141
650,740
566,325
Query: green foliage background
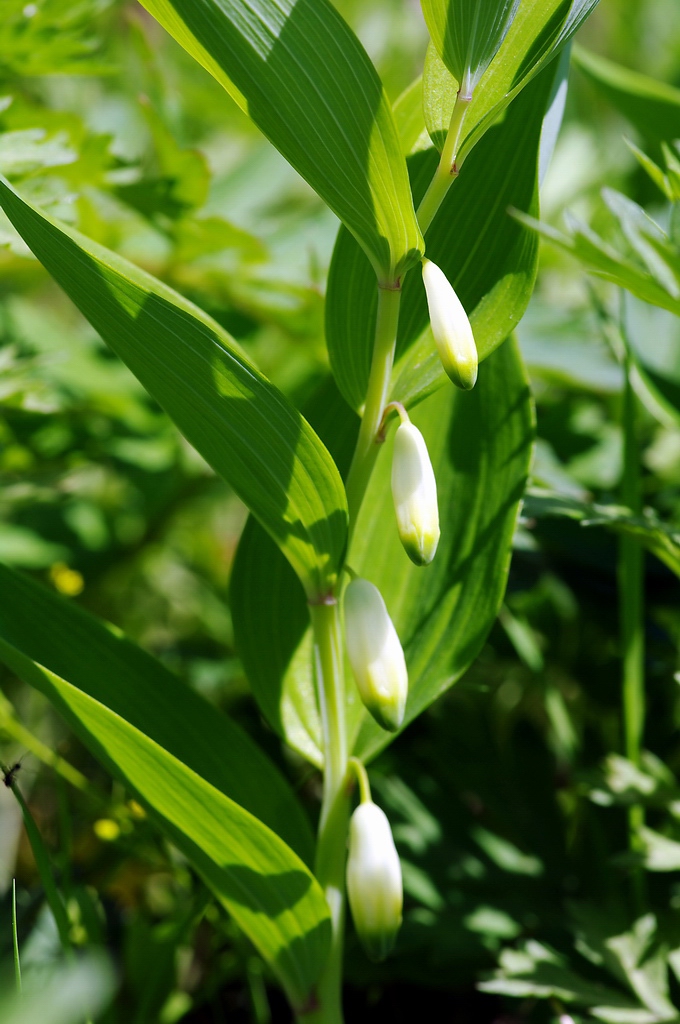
x,y
508,797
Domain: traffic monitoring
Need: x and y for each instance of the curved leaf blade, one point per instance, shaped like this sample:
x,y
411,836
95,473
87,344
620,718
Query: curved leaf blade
x,y
101,662
264,885
240,423
487,258
302,76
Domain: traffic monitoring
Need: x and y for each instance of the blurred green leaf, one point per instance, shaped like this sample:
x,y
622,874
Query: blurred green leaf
x,y
178,181
50,37
21,546
652,106
302,76
74,991
662,540
659,852
239,422
605,261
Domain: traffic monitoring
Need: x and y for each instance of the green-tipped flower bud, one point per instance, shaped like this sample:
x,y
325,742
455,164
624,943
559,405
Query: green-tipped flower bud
x,y
374,880
451,328
414,490
375,654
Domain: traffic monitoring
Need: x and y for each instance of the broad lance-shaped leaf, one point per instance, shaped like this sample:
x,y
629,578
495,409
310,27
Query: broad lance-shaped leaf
x,y
240,423
300,73
102,663
266,888
487,257
538,31
480,443
468,34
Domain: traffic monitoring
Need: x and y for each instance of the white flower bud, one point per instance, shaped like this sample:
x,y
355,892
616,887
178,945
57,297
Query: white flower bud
x,y
451,328
374,882
414,490
375,654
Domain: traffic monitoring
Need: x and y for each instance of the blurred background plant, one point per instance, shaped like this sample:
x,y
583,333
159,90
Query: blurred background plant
x,y
511,797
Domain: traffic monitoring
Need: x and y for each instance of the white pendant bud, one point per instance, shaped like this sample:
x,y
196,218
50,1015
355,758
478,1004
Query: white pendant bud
x,y
414,490
451,328
374,885
375,654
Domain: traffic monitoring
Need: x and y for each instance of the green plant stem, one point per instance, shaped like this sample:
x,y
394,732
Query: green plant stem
x,y
631,604
15,938
362,779
368,442
448,169
332,838
42,861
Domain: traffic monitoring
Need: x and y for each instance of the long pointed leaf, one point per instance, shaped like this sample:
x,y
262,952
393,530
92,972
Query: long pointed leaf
x,y
266,888
241,424
301,74
98,660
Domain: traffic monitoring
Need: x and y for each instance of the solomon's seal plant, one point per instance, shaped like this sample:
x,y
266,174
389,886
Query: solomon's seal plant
x,y
313,479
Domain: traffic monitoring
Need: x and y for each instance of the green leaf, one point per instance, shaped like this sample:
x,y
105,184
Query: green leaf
x,y
263,884
652,106
480,444
660,539
75,989
660,853
468,34
535,970
484,255
301,74
538,32
269,610
604,260
239,422
98,660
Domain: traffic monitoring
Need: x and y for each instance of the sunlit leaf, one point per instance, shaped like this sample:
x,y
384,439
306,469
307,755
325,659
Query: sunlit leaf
x,y
300,73
265,886
239,422
538,32
468,34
